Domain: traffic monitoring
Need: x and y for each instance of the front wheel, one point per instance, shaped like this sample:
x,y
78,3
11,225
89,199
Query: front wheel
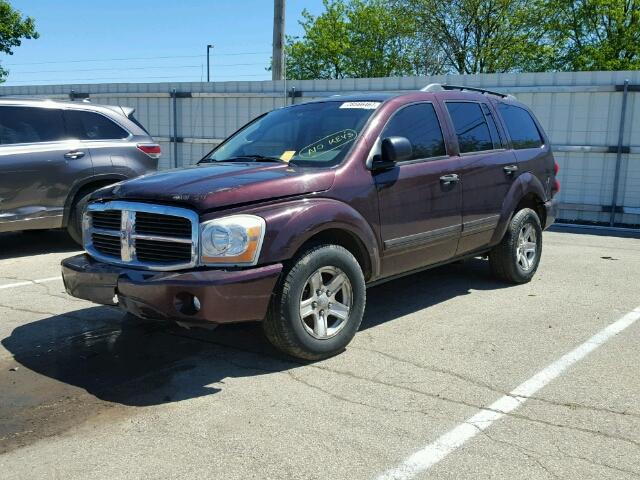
x,y
516,258
319,305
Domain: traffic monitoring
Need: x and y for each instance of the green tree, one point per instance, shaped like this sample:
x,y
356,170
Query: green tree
x,y
483,36
359,38
593,34
13,28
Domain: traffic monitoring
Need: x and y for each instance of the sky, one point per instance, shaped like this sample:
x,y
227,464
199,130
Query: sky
x,y
99,41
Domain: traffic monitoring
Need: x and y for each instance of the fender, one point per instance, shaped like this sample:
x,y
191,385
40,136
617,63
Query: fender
x,y
525,184
291,224
103,179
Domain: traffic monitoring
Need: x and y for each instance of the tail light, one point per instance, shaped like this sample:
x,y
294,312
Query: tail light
x,y
151,149
555,188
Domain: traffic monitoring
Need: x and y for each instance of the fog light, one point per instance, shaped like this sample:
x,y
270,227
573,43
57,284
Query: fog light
x,y
187,304
196,303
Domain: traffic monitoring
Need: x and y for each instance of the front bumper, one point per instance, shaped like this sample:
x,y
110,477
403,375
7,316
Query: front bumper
x,y
224,296
551,208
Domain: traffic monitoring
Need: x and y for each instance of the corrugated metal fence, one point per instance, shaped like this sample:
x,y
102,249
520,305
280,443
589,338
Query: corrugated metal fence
x,y
581,112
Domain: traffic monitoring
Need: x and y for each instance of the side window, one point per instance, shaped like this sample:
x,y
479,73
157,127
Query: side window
x,y
419,124
472,127
92,126
30,125
522,129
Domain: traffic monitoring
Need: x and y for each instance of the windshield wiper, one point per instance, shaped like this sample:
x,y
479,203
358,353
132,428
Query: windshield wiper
x,y
255,158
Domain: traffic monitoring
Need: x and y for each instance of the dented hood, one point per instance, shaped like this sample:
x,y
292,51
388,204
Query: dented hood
x,y
209,186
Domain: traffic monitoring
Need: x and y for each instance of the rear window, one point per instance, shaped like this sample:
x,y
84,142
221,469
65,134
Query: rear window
x,y
30,125
135,120
471,127
522,129
92,126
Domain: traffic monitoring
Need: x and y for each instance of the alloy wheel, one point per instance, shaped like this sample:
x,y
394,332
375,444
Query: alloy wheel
x,y
326,302
527,248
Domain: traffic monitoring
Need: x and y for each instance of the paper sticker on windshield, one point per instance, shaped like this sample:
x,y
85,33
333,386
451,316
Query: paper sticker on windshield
x,y
287,155
328,143
362,105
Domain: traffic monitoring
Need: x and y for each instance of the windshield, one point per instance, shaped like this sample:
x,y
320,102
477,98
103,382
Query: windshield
x,y
313,134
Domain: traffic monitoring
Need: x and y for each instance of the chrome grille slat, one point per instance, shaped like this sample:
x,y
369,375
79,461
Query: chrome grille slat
x,y
154,224
139,235
107,244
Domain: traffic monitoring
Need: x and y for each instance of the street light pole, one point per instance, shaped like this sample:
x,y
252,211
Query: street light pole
x,y
209,47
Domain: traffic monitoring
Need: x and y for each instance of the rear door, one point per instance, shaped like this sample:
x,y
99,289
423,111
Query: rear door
x,y
419,209
527,141
106,140
38,165
487,172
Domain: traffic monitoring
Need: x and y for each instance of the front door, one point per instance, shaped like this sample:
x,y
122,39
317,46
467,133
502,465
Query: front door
x,y
419,199
487,171
38,165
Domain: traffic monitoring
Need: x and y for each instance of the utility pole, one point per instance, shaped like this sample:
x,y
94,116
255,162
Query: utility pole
x,y
209,47
277,61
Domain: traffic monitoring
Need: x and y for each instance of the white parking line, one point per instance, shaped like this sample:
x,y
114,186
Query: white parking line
x,y
30,282
452,440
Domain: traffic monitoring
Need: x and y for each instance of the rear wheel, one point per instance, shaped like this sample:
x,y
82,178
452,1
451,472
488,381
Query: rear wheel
x,y
515,259
319,305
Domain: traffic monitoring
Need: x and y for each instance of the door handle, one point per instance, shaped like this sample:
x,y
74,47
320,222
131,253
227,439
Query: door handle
x,y
509,169
74,154
450,178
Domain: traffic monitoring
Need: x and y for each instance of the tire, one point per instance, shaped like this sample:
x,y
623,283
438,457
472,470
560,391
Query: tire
x,y
516,258
74,226
309,337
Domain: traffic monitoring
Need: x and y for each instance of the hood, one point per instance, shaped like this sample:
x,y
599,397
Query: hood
x,y
210,186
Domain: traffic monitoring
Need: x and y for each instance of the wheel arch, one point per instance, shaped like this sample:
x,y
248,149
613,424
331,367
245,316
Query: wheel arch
x,y
527,191
294,226
85,186
346,239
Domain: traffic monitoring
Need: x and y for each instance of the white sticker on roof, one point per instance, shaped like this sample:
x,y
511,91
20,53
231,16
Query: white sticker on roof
x,y
363,105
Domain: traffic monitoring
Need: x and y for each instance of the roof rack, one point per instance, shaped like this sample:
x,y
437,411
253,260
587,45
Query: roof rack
x,y
439,87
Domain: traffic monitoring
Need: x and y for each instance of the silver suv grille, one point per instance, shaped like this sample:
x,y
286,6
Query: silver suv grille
x,y
153,237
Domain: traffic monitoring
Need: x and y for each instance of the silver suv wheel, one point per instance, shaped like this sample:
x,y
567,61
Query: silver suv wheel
x,y
527,247
325,302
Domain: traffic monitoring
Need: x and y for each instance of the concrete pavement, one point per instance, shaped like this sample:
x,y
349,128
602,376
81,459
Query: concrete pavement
x,y
86,393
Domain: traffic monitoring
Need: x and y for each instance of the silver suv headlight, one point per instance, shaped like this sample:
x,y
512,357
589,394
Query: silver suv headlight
x,y
232,240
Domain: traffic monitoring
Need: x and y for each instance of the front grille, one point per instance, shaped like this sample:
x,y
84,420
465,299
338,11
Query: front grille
x,y
139,235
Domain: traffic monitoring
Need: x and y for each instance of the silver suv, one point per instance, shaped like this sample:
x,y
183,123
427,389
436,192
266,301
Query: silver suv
x,y
55,154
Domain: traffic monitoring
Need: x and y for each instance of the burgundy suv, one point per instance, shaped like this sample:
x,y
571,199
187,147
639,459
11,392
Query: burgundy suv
x,y
293,216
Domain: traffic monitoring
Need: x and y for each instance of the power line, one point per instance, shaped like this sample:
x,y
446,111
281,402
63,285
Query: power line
x,y
106,69
133,58
221,65
137,80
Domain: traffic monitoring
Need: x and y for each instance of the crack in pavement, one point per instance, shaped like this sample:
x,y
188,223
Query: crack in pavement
x,y
561,455
530,454
362,404
494,389
610,436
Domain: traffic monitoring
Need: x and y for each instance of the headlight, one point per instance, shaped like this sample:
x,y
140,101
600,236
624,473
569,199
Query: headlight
x,y
233,240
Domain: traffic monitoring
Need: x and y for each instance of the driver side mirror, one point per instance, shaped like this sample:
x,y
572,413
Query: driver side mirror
x,y
392,151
